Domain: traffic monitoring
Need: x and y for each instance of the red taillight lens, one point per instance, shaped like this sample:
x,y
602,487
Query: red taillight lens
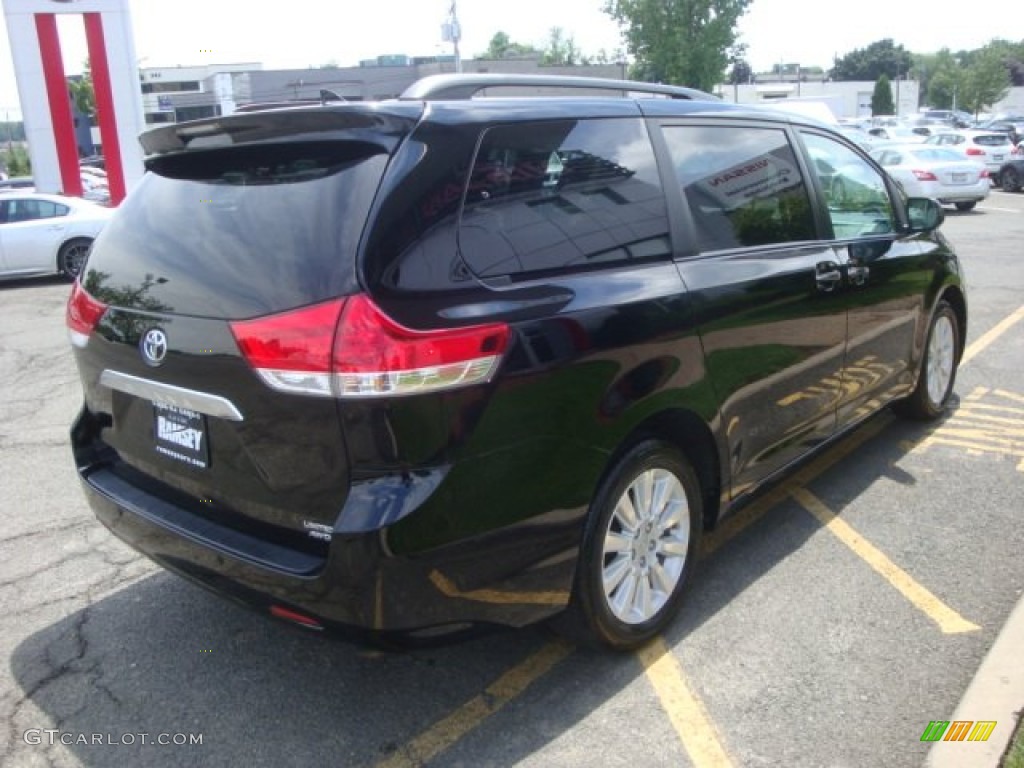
x,y
985,174
925,176
975,151
292,351
83,313
350,348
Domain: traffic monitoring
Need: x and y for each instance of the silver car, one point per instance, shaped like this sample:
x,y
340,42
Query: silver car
x,y
991,148
924,170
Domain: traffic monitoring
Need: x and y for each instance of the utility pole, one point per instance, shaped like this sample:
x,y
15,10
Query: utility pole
x,y
451,32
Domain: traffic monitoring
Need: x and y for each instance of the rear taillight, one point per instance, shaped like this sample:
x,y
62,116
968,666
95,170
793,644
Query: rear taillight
x,y
82,315
350,348
925,176
975,151
292,351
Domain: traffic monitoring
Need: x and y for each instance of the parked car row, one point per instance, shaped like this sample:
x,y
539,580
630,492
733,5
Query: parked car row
x,y
94,184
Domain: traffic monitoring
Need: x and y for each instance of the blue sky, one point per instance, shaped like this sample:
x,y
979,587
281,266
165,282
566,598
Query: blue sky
x,y
301,33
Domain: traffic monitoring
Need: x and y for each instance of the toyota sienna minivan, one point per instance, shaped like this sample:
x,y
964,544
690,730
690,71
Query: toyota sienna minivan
x,y
405,368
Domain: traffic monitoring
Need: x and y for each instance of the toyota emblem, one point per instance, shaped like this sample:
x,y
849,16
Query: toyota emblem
x,y
154,346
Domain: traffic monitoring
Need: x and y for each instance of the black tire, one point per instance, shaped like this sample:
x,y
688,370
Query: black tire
x,y
938,368
1009,180
658,557
71,256
966,206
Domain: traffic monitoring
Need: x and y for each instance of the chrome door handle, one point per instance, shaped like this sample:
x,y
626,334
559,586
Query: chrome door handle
x,y
827,275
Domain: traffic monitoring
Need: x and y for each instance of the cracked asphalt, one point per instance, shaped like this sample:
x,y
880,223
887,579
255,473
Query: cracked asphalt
x,y
798,653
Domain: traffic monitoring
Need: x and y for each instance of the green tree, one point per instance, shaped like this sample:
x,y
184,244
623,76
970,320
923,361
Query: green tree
x,y
502,47
938,75
82,91
561,50
881,99
882,57
16,160
941,89
985,82
740,72
682,42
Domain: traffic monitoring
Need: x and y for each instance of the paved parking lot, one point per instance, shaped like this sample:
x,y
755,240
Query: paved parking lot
x,y
831,621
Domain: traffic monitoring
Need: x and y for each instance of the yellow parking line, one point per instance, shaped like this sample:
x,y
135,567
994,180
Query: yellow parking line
x,y
445,732
991,335
684,709
949,621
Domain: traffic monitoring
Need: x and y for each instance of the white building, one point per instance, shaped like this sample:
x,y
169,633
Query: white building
x,y
845,99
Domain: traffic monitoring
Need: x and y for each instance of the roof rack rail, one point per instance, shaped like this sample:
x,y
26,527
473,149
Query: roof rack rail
x,y
438,87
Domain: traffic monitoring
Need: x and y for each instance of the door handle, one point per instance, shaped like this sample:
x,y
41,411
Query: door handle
x,y
828,275
858,274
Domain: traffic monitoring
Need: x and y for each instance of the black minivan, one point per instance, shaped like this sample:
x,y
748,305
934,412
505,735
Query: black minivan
x,y
404,368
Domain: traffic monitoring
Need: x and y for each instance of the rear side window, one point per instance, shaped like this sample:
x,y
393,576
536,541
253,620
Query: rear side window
x,y
563,194
16,210
239,232
742,185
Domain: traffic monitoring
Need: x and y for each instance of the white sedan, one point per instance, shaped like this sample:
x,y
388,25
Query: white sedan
x,y
927,171
991,148
41,234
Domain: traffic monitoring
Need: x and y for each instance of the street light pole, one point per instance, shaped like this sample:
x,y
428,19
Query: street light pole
x,y
456,37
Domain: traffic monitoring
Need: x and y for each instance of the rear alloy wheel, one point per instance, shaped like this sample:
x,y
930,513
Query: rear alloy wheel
x,y
938,367
71,257
966,206
638,549
1010,181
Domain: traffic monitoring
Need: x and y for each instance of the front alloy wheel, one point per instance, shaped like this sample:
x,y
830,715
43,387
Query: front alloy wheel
x,y
938,368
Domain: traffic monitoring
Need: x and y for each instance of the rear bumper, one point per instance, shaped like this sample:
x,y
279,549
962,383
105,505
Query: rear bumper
x,y
513,576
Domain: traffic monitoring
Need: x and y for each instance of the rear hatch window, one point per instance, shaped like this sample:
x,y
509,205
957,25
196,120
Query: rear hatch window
x,y
240,231
992,140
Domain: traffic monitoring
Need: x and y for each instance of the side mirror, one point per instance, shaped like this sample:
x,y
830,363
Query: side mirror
x,y
925,214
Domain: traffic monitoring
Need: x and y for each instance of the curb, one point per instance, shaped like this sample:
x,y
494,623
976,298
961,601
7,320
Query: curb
x,y
995,693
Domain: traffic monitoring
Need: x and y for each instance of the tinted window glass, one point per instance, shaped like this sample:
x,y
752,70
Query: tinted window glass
x,y
239,232
742,185
858,200
33,210
566,193
992,140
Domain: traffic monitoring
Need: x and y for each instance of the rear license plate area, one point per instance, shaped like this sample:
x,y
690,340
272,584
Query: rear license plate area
x,y
180,434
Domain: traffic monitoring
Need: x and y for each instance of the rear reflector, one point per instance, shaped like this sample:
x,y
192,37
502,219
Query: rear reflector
x,y
350,348
82,315
280,612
